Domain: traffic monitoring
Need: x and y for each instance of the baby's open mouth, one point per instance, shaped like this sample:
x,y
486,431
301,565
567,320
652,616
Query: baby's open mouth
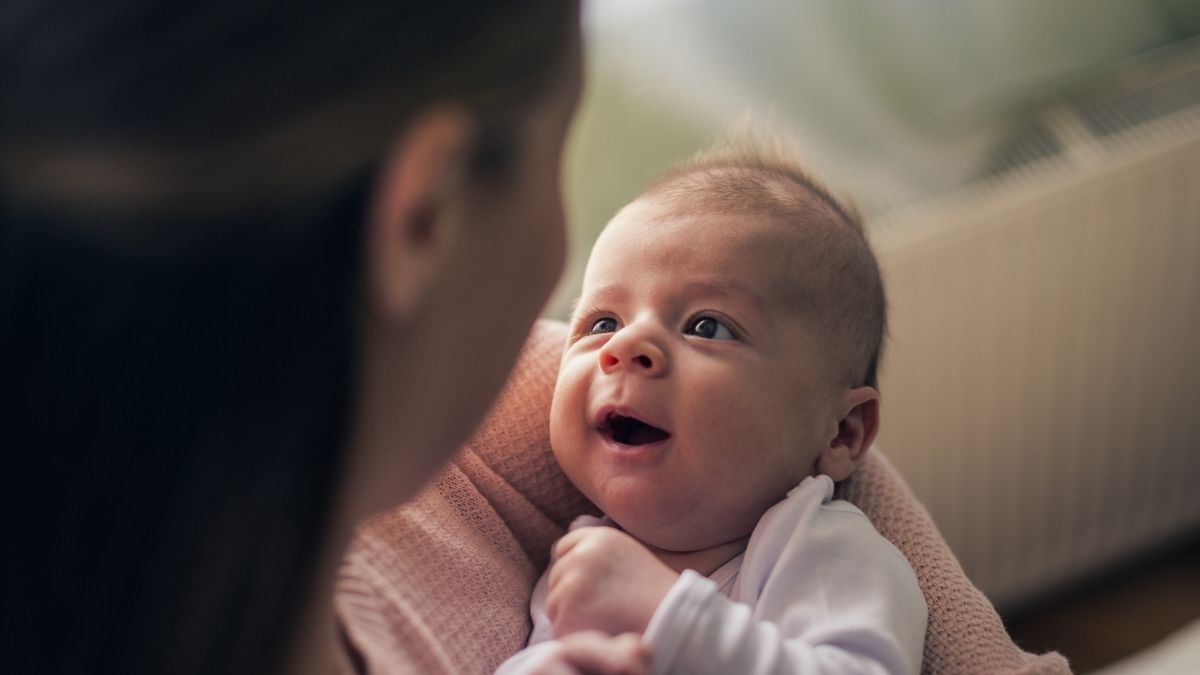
x,y
631,431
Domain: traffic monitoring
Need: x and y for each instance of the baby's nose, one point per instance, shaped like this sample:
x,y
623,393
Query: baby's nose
x,y
611,361
637,353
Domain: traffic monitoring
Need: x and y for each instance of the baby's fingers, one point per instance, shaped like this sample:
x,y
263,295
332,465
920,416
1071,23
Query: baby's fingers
x,y
595,653
569,540
555,667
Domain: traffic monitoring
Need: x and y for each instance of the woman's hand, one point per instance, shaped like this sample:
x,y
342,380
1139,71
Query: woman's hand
x,y
604,580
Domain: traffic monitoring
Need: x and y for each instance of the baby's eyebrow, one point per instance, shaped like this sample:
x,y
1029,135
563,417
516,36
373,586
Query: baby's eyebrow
x,y
726,288
603,295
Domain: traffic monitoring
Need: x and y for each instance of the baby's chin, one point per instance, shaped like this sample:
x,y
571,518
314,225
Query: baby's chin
x,y
681,537
635,506
662,523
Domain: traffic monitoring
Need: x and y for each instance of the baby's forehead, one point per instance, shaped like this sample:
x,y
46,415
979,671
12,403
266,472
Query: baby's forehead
x,y
665,217
795,236
777,255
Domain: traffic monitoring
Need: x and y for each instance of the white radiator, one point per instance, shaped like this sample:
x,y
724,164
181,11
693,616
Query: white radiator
x,y
1041,388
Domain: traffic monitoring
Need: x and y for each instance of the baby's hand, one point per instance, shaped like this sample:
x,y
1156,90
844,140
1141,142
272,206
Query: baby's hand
x,y
594,653
604,580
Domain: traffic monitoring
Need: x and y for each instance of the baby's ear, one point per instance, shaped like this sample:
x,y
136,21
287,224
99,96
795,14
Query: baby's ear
x,y
856,431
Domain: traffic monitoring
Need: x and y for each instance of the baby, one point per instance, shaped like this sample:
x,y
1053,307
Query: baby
x,y
719,377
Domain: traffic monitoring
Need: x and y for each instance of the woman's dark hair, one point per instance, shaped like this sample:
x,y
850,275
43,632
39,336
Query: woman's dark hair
x,y
183,191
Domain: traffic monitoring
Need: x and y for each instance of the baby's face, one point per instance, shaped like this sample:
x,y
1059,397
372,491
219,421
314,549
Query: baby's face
x,y
691,396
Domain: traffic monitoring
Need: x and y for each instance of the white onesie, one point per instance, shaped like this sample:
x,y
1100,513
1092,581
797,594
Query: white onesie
x,y
817,590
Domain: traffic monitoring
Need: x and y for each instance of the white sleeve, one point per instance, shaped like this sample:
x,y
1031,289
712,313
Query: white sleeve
x,y
840,599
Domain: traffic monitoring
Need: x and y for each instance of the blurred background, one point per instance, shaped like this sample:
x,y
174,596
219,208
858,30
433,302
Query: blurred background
x,y
1030,173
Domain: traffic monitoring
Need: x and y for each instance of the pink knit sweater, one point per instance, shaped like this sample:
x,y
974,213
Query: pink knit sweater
x,y
442,584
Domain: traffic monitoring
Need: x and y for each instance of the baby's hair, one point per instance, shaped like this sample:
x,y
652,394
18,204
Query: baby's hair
x,y
840,284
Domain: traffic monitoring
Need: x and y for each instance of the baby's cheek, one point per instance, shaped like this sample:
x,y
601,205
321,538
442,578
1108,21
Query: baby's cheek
x,y
567,406
749,424
759,454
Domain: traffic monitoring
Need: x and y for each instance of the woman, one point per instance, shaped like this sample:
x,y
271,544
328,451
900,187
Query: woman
x,y
261,272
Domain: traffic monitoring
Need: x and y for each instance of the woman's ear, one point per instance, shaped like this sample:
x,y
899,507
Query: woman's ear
x,y
856,431
414,220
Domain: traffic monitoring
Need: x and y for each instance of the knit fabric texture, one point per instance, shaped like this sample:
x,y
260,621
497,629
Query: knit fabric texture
x,y
441,585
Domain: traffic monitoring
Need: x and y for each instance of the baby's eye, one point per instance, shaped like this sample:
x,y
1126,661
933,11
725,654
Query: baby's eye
x,y
709,328
605,325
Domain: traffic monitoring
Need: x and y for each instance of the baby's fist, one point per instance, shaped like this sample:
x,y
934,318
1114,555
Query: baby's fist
x,y
594,653
583,653
604,580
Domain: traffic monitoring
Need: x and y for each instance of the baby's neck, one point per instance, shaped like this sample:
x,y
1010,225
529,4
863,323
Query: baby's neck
x,y
705,561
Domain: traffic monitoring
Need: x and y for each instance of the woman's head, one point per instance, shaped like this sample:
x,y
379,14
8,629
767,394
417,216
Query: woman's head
x,y
249,255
